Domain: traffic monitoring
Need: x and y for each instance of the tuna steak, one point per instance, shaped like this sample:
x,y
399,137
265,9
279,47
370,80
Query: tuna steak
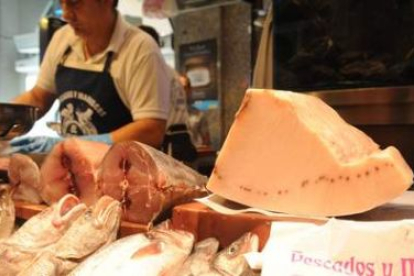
x,y
147,181
292,153
24,175
71,167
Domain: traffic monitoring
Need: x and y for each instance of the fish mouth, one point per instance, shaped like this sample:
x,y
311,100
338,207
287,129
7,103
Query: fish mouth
x,y
69,207
107,211
252,244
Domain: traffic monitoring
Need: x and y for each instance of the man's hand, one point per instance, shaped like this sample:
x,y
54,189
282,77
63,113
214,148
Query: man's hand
x,y
103,138
35,144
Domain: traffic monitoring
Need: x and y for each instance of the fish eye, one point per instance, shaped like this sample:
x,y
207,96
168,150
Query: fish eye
x,y
232,249
88,213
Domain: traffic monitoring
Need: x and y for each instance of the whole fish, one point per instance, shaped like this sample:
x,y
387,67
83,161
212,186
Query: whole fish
x,y
97,227
201,259
160,251
7,212
231,261
39,232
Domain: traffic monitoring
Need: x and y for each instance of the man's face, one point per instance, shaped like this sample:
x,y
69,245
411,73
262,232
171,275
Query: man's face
x,y
85,16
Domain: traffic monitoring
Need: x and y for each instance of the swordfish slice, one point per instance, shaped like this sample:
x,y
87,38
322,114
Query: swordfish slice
x,y
71,167
147,181
292,153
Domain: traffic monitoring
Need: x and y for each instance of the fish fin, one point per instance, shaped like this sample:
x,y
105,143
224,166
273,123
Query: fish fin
x,y
154,248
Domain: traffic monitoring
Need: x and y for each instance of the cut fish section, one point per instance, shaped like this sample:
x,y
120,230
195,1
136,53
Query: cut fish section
x,y
291,152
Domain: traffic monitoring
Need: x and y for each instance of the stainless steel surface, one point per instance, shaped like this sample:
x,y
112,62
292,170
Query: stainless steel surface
x,y
372,106
16,119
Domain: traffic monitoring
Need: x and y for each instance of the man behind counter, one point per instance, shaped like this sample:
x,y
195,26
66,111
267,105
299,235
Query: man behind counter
x,y
110,78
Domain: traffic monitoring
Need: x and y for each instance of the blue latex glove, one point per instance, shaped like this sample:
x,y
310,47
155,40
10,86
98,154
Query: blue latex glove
x,y
35,144
103,138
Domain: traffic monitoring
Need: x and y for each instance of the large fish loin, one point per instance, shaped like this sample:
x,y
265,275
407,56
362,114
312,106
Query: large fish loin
x,y
71,167
291,152
24,176
147,181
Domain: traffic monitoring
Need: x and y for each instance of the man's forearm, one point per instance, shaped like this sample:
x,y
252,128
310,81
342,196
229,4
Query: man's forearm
x,y
36,97
147,131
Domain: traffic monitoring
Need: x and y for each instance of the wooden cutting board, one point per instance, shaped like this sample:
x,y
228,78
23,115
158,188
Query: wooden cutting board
x,y
204,222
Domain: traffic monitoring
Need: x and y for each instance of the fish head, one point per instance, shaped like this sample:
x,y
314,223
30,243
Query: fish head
x,y
182,240
106,213
48,226
96,227
207,247
231,260
66,211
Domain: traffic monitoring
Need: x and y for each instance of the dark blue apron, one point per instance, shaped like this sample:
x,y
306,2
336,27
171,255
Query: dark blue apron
x,y
89,101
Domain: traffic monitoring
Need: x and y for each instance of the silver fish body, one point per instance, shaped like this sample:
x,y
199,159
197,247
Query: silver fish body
x,y
158,252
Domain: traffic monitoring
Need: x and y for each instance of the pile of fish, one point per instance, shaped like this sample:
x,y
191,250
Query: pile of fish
x,y
168,252
60,237
147,181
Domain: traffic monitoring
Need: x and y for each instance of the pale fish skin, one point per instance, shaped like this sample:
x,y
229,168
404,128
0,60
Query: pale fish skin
x,y
159,252
96,228
38,233
201,259
7,212
231,261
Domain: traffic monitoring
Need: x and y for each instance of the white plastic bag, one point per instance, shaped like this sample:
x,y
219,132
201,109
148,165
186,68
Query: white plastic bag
x,y
340,247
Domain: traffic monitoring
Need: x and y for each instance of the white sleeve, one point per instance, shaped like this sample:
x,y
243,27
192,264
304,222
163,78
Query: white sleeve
x,y
51,59
146,80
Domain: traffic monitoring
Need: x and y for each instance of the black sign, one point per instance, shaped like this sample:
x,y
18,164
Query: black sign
x,y
199,62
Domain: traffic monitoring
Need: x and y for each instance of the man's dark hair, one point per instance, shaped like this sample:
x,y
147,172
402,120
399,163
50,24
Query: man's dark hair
x,y
115,3
152,32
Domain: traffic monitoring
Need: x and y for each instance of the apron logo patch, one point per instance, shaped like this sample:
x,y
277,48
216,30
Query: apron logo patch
x,y
77,110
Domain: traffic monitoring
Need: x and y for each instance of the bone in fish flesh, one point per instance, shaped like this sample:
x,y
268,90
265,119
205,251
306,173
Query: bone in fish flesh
x,y
147,181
